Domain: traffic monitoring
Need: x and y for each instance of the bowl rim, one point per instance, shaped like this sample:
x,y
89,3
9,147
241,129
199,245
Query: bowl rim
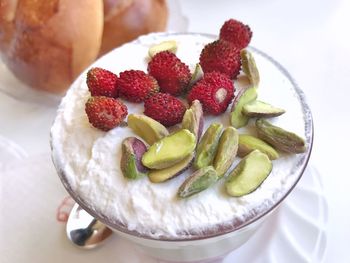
x,y
309,132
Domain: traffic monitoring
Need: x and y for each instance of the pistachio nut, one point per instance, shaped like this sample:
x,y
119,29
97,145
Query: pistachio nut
x,y
162,175
259,108
249,67
249,174
243,97
193,119
130,163
147,128
197,74
168,45
248,143
280,138
207,146
169,150
227,150
198,181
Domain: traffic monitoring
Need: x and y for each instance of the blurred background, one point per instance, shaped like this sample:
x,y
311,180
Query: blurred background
x,y
309,38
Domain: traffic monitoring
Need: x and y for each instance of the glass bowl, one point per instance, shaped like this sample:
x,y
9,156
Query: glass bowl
x,y
217,238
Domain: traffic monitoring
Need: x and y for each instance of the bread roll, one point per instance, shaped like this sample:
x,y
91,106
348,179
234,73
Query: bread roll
x,y
7,16
125,20
47,43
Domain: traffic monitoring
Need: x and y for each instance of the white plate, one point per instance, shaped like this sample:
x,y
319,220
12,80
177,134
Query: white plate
x,y
9,151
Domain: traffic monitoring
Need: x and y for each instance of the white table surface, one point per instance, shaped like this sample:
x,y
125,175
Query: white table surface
x,y
309,38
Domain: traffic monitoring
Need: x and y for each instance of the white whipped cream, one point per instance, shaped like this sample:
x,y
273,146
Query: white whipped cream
x,y
90,158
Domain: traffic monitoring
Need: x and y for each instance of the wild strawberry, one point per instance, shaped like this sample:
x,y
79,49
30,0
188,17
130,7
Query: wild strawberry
x,y
105,113
173,76
102,82
165,109
136,85
221,56
214,91
236,33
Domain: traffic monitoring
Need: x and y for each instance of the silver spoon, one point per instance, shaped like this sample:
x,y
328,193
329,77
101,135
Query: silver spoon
x,y
84,230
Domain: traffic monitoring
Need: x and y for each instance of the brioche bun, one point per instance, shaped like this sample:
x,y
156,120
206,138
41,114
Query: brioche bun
x,y
125,20
47,43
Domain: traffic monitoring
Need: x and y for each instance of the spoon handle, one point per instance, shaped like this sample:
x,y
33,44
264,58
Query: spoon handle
x,y
84,230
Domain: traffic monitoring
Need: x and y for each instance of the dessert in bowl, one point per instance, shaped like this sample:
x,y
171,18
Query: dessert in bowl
x,y
206,225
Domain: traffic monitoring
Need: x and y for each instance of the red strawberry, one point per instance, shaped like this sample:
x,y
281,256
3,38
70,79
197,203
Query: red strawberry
x,y
214,91
136,85
236,33
173,76
105,113
102,82
221,56
165,108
